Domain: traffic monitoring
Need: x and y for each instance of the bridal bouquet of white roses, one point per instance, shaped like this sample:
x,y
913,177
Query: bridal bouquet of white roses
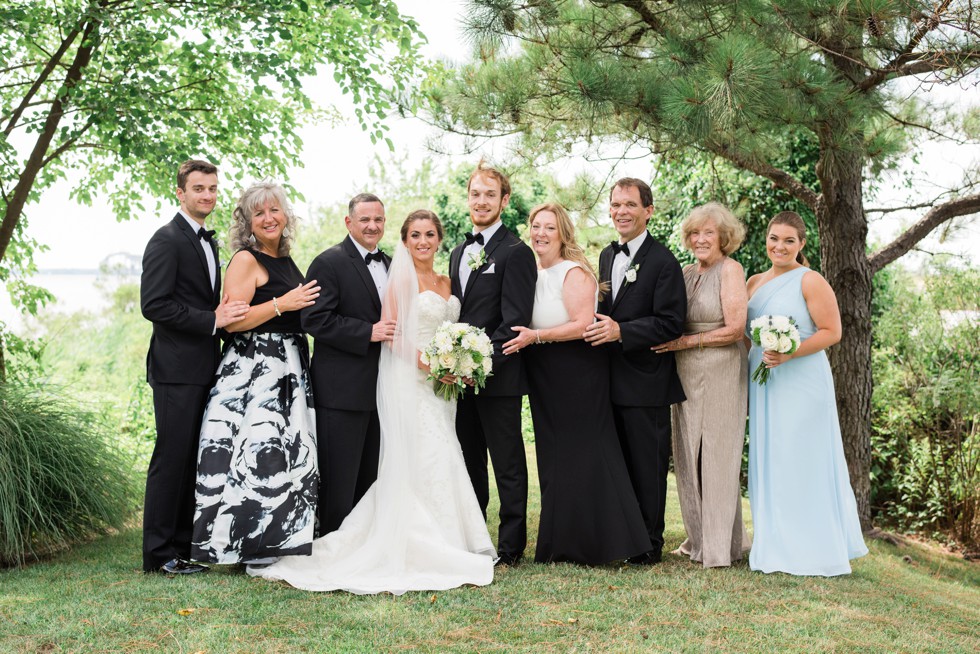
x,y
462,350
775,333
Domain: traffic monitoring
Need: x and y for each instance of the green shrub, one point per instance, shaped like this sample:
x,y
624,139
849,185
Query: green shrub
x,y
926,406
60,480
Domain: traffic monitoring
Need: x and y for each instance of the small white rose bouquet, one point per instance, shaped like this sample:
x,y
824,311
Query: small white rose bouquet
x,y
775,333
462,350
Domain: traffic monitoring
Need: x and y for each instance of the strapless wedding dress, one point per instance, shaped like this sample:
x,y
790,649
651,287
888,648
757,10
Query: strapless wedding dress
x,y
422,531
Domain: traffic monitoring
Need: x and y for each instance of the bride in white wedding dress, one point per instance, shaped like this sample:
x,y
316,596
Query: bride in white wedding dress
x,y
419,527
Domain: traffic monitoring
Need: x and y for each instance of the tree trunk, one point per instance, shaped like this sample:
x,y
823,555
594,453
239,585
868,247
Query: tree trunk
x,y
843,234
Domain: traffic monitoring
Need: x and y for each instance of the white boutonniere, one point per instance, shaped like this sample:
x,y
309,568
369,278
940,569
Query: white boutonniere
x,y
630,276
477,259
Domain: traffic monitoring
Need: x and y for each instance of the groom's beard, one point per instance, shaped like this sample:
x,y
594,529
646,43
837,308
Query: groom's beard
x,y
485,221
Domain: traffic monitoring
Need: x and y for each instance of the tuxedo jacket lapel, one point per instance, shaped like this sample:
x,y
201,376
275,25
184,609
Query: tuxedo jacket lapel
x,y
635,263
605,275
488,249
195,242
357,261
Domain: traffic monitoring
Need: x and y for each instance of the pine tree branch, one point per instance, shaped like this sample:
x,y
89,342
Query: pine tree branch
x,y
641,9
927,62
779,177
964,206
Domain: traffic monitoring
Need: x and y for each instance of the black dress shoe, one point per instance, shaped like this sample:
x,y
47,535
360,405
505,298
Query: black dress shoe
x,y
181,567
507,558
652,557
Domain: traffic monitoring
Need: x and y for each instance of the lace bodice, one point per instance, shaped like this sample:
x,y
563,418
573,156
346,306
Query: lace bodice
x,y
433,311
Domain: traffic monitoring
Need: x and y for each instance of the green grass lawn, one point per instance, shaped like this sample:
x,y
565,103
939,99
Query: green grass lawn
x,y
899,599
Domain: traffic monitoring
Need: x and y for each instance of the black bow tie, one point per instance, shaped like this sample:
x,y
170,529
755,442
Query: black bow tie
x,y
473,238
374,256
206,234
617,248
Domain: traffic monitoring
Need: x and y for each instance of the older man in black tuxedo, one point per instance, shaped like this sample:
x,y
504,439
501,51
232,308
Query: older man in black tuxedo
x,y
347,330
647,306
493,274
180,293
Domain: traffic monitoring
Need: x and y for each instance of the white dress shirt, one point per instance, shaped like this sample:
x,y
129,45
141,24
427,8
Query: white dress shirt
x,y
377,269
208,252
471,250
621,263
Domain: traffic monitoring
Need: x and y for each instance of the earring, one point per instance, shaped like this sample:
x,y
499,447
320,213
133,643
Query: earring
x,y
285,232
251,239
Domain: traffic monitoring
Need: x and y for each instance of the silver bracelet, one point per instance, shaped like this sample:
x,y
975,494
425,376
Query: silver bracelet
x,y
275,305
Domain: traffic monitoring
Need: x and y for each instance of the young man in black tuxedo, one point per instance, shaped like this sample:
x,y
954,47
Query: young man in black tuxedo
x,y
180,293
493,274
346,326
647,306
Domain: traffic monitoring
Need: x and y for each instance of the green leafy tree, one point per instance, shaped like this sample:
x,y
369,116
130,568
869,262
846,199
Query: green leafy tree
x,y
739,80
127,89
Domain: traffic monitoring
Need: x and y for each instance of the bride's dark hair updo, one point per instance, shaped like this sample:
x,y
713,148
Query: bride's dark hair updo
x,y
792,219
421,214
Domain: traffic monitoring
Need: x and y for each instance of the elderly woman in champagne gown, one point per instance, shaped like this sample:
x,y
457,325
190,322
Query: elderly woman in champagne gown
x,y
709,427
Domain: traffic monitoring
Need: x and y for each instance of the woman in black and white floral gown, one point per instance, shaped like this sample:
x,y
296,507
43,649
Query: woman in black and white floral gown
x,y
256,475
419,527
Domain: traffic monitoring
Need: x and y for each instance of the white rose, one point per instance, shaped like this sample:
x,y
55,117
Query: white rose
x,y
471,342
785,344
759,322
631,275
424,357
487,365
447,361
769,340
466,367
794,334
780,323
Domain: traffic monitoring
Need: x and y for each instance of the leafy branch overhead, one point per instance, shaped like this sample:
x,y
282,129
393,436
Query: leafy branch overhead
x,y
126,89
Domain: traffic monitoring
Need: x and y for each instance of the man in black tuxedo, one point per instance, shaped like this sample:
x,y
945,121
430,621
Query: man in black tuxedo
x,y
647,306
180,293
493,274
346,326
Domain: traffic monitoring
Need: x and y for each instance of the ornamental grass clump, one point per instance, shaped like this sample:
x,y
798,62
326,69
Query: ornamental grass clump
x,y
61,481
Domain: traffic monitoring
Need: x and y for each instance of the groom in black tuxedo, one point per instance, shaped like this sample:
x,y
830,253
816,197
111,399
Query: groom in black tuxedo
x,y
346,326
493,274
647,306
180,293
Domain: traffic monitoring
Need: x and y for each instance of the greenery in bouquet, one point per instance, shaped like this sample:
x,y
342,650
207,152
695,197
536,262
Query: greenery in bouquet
x,y
775,334
462,351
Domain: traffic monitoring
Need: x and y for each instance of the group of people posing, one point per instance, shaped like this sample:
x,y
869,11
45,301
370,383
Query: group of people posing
x,y
349,472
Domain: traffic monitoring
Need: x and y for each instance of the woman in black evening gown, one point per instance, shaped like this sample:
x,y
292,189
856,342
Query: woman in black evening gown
x,y
257,475
589,512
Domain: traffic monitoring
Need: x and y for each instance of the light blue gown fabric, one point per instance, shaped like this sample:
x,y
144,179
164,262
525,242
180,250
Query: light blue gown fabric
x,y
804,515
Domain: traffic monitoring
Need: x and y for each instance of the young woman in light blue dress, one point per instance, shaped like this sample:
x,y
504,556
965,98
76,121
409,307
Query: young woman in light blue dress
x,y
804,515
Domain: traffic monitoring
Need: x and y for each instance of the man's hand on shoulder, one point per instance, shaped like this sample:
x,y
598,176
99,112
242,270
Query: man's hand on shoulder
x,y
229,312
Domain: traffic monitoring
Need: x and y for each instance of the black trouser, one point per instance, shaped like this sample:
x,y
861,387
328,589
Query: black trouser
x,y
644,433
494,423
348,449
168,507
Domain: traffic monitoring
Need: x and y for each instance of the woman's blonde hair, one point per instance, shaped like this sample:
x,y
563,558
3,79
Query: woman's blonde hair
x,y
731,231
